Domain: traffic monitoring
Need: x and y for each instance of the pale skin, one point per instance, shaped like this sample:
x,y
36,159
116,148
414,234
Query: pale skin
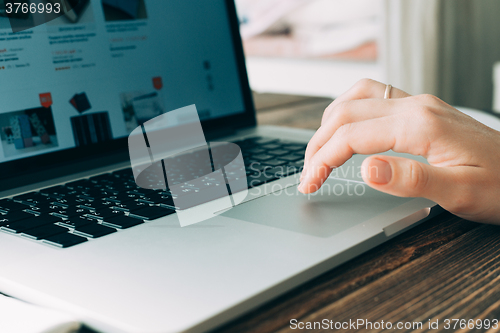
x,y
463,174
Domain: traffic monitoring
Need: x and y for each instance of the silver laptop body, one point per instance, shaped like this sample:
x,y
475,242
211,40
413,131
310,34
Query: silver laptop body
x,y
158,277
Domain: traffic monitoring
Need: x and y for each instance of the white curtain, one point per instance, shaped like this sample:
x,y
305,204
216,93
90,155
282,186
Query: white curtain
x,y
443,47
468,49
409,45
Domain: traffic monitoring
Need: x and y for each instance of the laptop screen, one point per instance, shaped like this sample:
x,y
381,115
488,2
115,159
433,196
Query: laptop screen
x,y
92,76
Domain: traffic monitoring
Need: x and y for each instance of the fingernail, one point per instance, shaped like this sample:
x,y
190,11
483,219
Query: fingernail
x,y
379,171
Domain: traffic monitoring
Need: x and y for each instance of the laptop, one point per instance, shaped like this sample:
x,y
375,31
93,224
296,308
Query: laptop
x,y
79,235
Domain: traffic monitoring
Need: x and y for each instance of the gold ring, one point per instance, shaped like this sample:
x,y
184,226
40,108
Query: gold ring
x,y
388,89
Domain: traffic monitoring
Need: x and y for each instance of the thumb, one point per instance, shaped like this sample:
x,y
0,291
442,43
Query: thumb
x,y
407,178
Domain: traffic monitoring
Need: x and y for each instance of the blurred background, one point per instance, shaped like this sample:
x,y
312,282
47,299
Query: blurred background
x,y
322,47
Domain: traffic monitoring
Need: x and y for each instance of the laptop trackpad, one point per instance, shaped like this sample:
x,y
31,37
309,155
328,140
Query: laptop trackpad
x,y
337,206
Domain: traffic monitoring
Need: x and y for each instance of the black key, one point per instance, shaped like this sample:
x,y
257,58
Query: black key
x,y
249,162
44,231
292,158
64,240
146,192
31,223
92,193
253,138
75,222
95,185
80,189
106,183
48,218
71,202
263,141
278,152
94,230
104,213
262,157
120,207
158,198
43,208
257,180
85,197
271,146
274,162
135,205
273,172
124,185
297,146
14,217
32,197
198,198
153,212
108,192
4,222
249,172
72,211
299,164
55,196
10,206
289,143
96,204
149,202
301,152
122,222
287,171
58,205
256,167
255,151
124,197
59,191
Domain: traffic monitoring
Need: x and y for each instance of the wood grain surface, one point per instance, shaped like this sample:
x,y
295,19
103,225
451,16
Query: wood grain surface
x,y
291,111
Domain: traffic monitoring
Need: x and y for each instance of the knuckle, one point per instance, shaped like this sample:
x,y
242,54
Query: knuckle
x,y
342,113
425,117
311,148
343,131
364,83
429,99
327,112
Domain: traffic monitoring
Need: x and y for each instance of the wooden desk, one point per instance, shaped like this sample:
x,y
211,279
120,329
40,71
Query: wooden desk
x,y
445,268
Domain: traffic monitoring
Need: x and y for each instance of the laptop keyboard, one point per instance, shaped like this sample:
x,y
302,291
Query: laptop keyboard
x,y
73,213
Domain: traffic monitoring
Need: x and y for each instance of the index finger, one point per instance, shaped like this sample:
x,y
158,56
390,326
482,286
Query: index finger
x,y
345,113
363,89
365,137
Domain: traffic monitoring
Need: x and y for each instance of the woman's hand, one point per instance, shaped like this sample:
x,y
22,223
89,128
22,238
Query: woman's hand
x,y
464,155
